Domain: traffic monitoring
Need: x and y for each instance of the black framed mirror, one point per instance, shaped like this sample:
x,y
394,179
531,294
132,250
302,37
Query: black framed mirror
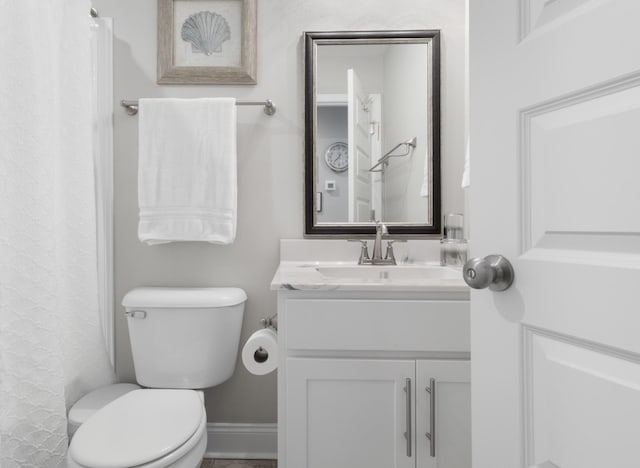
x,y
372,133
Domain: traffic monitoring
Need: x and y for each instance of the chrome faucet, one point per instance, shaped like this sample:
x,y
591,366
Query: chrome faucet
x,y
377,259
381,230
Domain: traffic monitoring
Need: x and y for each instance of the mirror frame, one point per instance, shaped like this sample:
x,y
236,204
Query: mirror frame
x,y
311,41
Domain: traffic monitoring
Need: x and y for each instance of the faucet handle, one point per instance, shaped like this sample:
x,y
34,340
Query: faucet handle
x,y
364,250
389,255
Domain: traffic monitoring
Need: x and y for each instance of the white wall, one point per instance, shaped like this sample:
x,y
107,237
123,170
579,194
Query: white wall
x,y
331,76
405,98
270,161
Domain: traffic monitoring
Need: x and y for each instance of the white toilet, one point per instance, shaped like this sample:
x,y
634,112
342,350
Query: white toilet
x,y
182,339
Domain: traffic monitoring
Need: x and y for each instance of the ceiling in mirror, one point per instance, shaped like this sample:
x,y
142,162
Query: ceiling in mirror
x,y
372,132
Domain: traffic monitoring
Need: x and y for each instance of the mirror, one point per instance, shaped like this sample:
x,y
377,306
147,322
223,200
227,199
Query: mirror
x,y
372,132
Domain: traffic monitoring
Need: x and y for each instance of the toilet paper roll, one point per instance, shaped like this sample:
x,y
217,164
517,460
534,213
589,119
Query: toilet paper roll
x,y
260,352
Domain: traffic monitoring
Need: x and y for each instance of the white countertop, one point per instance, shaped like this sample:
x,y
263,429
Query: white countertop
x,y
308,276
313,265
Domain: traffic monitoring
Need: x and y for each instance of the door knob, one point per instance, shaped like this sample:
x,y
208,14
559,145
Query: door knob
x,y
493,271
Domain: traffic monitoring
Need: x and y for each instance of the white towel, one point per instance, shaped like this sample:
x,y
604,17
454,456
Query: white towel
x,y
426,178
466,176
187,181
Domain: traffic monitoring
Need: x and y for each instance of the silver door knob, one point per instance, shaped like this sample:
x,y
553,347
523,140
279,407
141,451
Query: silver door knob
x,y
493,271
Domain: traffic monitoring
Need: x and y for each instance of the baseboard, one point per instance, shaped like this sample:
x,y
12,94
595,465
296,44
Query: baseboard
x,y
242,441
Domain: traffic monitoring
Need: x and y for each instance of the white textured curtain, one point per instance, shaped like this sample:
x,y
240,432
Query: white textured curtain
x,y
51,348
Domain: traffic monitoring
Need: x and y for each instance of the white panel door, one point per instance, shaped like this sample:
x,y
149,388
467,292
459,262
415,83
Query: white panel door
x,y
443,414
344,413
555,144
358,121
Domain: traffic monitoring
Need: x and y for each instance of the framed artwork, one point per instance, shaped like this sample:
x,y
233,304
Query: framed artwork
x,y
207,41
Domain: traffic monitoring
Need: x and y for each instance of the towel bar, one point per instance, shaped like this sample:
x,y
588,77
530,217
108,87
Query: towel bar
x,y
269,107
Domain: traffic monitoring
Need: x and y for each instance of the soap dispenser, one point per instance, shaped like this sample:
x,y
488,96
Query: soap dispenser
x,y
453,246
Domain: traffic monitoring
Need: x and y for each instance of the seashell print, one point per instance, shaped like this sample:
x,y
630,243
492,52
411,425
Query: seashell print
x,y
206,31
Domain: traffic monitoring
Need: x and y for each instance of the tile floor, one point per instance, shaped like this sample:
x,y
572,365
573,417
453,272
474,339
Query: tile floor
x,y
218,463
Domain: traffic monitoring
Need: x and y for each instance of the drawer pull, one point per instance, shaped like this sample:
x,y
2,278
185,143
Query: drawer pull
x,y
407,434
431,390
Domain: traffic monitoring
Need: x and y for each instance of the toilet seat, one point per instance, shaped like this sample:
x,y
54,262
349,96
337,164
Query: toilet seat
x,y
87,406
145,428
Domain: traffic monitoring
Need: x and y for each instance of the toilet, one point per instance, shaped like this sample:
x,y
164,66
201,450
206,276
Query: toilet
x,y
183,340
86,406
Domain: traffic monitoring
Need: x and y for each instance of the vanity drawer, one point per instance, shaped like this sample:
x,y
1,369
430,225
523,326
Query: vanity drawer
x,y
377,325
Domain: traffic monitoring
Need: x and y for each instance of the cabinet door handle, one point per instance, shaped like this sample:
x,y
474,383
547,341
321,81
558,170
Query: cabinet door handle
x,y
431,390
407,434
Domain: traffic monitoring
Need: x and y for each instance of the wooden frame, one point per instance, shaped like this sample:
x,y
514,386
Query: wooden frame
x,y
355,230
198,61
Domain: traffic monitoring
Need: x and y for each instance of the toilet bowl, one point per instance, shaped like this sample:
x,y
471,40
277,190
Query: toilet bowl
x,y
148,428
182,339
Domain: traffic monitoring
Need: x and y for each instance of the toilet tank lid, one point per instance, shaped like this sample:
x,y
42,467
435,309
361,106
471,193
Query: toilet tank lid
x,y
183,297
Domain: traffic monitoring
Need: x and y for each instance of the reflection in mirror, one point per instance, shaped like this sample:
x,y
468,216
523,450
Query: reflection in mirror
x,y
372,141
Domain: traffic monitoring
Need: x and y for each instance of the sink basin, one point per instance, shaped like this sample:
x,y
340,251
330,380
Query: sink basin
x,y
385,273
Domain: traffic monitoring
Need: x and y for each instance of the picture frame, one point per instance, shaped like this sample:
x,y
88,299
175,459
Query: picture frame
x,y
207,42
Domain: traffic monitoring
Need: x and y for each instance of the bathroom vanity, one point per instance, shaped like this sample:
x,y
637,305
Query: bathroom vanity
x,y
373,359
374,364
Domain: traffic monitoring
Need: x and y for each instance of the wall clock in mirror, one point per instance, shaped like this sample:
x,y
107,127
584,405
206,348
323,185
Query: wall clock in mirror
x,y
336,156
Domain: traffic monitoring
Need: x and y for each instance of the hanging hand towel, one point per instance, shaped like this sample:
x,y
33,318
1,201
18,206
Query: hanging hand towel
x,y
466,175
426,178
187,182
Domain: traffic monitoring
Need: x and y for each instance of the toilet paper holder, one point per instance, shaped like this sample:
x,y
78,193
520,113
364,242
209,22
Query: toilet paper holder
x,y
261,355
270,322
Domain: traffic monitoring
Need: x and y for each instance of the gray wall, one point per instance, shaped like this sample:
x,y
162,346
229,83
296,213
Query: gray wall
x,y
270,162
332,127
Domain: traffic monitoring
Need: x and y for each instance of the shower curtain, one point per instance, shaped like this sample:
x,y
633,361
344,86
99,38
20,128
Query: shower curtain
x,y
51,347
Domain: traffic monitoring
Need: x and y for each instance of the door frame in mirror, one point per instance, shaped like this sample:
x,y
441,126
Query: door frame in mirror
x,y
311,41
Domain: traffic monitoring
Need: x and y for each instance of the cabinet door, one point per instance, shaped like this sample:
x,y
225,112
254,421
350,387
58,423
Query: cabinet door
x,y
443,411
346,413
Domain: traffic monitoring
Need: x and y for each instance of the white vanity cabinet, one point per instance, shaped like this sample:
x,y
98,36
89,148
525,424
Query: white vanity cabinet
x,y
450,405
353,372
348,413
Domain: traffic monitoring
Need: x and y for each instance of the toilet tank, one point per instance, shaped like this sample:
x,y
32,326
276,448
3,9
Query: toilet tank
x,y
184,337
